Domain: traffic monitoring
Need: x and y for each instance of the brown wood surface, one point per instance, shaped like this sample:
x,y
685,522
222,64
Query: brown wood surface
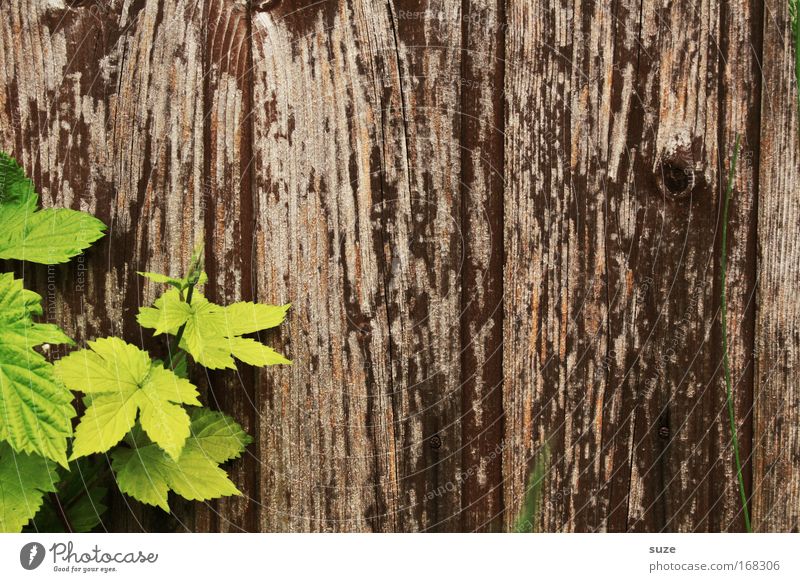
x,y
777,347
499,226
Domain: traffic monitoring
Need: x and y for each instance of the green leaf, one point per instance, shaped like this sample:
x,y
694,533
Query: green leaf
x,y
82,499
86,513
35,410
180,284
212,332
24,479
49,236
148,475
245,317
218,435
16,189
122,381
180,366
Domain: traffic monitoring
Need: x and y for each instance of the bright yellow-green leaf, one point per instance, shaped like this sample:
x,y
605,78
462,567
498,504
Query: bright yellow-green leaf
x,y
147,475
218,435
255,353
110,365
106,421
24,479
245,317
122,380
35,410
172,316
211,333
49,236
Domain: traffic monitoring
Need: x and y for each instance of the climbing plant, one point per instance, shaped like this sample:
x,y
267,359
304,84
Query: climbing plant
x,y
142,412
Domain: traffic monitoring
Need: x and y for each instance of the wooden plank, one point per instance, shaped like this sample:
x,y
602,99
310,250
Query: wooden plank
x,y
482,123
372,264
740,89
327,431
555,290
49,112
609,115
777,401
665,332
228,201
422,216
105,116
665,335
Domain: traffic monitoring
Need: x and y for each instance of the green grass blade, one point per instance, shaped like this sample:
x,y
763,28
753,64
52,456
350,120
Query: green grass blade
x,y
529,514
794,15
725,362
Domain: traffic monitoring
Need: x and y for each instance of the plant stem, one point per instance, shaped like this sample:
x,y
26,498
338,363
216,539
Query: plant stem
x,y
178,336
725,362
62,515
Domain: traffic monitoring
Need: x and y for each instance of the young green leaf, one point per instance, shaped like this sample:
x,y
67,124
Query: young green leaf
x,y
49,236
146,474
35,410
24,479
121,380
212,332
178,283
218,435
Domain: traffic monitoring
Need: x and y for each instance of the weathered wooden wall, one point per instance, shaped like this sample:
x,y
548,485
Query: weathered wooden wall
x,y
498,223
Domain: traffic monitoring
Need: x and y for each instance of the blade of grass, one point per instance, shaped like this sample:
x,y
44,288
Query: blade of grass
x,y
529,515
725,363
794,15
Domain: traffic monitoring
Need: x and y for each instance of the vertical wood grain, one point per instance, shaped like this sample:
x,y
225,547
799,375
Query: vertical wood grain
x,y
423,244
617,365
665,330
397,87
481,314
691,98
777,396
327,431
230,246
555,288
499,225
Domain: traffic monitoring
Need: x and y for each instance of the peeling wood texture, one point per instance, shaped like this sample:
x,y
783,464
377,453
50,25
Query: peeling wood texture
x,y
777,347
498,223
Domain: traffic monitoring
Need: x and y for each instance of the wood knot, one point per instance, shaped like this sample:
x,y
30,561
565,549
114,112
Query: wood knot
x,y
677,176
435,442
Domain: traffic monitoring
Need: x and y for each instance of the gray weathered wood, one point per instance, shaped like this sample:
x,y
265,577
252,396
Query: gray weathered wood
x,y
499,225
612,348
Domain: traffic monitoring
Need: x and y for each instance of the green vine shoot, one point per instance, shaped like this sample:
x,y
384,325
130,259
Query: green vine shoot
x,y
724,320
143,414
